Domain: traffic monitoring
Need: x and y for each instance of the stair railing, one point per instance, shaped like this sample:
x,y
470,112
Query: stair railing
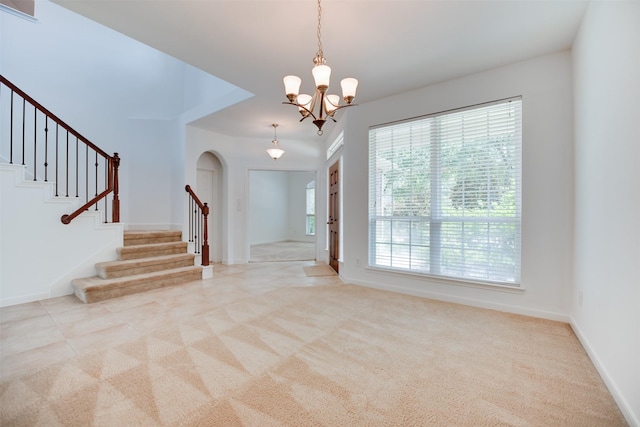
x,y
37,138
198,233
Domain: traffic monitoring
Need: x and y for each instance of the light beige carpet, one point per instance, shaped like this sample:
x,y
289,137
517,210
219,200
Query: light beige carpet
x,y
319,270
334,355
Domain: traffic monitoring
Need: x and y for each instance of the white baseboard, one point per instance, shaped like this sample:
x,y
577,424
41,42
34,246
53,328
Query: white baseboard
x,y
543,314
6,302
626,409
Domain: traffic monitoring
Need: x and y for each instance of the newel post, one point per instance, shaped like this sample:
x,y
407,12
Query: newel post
x,y
205,236
115,212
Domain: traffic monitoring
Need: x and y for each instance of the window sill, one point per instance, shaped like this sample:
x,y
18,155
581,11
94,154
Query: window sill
x,y
514,289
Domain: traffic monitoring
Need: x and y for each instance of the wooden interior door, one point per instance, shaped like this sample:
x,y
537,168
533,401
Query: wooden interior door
x,y
334,215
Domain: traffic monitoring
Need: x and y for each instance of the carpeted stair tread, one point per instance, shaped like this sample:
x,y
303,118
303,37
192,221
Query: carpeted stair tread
x,y
151,250
143,237
92,289
114,269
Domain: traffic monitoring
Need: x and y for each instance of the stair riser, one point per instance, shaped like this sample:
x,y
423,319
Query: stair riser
x,y
151,240
132,238
125,254
141,269
137,286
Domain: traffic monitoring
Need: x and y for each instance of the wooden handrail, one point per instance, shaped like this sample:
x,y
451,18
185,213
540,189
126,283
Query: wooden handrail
x,y
52,116
195,197
197,223
41,145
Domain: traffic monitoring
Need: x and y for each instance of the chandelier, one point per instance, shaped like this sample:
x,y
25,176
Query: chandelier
x,y
321,105
275,152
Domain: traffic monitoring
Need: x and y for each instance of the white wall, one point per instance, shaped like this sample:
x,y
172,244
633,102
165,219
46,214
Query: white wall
x,y
546,87
238,157
119,93
606,296
40,255
277,206
268,206
156,169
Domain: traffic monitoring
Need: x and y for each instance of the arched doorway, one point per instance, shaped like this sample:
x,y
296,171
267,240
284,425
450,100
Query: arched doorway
x,y
209,189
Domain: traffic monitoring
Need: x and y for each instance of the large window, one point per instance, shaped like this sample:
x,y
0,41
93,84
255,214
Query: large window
x,y
444,194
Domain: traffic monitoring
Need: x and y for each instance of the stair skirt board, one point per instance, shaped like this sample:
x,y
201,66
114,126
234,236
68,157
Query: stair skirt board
x,y
148,260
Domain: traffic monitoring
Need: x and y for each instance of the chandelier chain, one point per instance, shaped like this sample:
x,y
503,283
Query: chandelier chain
x,y
320,53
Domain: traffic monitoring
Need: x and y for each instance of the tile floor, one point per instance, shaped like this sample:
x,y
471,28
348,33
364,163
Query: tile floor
x,y
37,334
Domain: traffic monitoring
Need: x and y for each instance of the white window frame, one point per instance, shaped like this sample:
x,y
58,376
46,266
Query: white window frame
x,y
310,212
443,233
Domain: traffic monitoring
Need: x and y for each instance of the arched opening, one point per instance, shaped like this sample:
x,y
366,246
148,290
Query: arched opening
x,y
209,184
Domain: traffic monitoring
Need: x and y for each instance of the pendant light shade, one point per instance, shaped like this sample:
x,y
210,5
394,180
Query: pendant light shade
x,y
275,152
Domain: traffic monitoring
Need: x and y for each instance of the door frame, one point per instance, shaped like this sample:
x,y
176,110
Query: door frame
x,y
334,217
247,201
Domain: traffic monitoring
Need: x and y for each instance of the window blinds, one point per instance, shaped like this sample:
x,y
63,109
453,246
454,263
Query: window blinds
x,y
444,194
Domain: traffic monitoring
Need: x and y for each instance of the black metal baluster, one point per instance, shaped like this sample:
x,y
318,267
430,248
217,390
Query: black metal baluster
x,y
57,127
106,182
24,112
67,165
198,219
96,178
46,146
35,142
86,174
11,132
195,228
190,218
77,166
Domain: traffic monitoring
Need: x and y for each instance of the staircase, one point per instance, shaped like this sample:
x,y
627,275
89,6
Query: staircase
x,y
148,260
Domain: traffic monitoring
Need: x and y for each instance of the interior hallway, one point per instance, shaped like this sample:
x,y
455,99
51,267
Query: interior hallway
x,y
288,250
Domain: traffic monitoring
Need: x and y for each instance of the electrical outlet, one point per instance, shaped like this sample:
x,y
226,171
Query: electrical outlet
x,y
357,261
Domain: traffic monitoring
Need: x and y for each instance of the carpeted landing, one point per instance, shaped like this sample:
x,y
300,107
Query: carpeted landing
x,y
335,355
